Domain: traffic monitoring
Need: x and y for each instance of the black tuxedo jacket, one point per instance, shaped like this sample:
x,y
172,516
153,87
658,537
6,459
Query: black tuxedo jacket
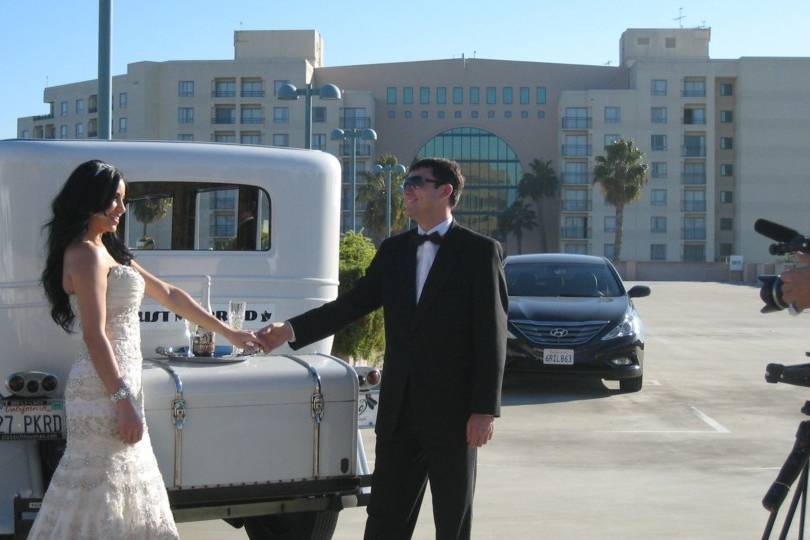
x,y
446,353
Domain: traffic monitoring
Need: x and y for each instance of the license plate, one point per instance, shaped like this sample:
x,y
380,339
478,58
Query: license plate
x,y
32,419
558,357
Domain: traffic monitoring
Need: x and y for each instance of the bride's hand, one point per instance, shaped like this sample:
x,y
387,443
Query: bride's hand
x,y
242,338
130,423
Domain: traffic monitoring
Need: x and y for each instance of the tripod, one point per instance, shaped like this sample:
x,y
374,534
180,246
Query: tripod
x,y
796,462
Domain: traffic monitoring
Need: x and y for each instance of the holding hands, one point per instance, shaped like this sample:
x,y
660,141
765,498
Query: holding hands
x,y
274,335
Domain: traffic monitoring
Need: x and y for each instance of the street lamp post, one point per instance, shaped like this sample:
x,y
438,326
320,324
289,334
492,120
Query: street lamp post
x,y
366,134
388,169
288,91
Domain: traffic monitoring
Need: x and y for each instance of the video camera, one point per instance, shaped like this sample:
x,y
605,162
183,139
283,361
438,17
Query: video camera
x,y
787,241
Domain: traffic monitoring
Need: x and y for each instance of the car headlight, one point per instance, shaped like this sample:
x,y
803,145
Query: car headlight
x,y
629,326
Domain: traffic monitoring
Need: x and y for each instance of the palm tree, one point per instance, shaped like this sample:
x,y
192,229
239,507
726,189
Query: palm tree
x,y
371,195
516,219
621,173
537,185
149,210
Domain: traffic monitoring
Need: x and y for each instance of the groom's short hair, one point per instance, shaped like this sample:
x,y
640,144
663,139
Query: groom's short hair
x,y
446,171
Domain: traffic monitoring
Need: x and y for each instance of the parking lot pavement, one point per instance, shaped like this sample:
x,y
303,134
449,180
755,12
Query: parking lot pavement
x,y
688,457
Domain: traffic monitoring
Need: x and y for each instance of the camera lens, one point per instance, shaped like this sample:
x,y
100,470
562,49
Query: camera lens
x,y
771,293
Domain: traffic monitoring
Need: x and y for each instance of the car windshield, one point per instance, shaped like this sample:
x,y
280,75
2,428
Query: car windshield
x,y
561,279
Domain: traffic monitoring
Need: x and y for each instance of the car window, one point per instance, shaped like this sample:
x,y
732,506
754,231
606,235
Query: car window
x,y
561,279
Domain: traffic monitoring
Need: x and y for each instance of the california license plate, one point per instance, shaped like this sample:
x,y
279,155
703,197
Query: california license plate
x,y
32,419
558,357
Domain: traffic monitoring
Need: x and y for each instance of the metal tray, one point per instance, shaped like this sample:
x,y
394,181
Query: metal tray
x,y
222,354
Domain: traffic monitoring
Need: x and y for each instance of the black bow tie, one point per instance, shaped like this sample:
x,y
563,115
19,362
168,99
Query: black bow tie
x,y
434,237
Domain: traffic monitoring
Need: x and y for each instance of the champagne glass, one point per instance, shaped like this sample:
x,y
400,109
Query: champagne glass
x,y
191,329
236,316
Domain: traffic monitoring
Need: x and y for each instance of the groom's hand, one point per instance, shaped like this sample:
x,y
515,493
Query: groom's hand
x,y
479,429
274,335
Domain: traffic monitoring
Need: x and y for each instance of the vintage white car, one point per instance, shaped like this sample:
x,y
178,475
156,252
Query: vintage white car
x,y
264,441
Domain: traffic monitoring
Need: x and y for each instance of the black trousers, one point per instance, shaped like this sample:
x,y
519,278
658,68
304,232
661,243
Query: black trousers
x,y
404,464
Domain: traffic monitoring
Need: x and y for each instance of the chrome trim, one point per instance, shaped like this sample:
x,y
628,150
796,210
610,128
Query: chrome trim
x,y
318,409
178,409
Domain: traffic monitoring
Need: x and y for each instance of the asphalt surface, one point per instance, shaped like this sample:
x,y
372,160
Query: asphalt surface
x,y
688,457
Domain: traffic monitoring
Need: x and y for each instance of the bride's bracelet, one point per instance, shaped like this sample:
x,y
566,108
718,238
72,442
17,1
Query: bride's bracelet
x,y
122,393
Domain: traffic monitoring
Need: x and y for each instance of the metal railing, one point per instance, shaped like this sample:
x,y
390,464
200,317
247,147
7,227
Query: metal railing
x,y
223,119
576,122
693,151
252,120
575,205
252,93
693,178
693,233
355,122
693,206
575,233
576,149
693,92
223,93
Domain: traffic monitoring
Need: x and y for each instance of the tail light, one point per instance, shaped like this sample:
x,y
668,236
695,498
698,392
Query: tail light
x,y
32,384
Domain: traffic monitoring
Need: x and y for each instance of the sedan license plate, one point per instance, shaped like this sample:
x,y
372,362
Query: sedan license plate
x,y
32,419
558,357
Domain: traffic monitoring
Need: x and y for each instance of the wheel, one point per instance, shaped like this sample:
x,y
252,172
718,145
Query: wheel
x,y
298,526
630,385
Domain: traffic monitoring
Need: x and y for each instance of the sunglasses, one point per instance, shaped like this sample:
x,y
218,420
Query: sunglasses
x,y
416,181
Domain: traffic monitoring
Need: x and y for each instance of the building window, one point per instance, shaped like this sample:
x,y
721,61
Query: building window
x,y
726,143
319,141
658,224
250,137
610,224
658,142
277,84
122,125
613,115
658,252
318,115
474,114
475,95
726,197
726,117
458,95
224,88
185,137
224,137
392,114
611,138
694,88
507,114
185,88
122,100
658,115
576,249
694,116
407,95
524,114
185,115
281,139
424,95
252,88
439,114
726,224
659,169
669,42
424,115
610,251
457,114
252,114
391,95
507,95
694,252
441,95
658,87
492,95
726,249
658,197
726,89
541,115
407,114
63,108
79,106
25,134
490,114
541,95
726,169
281,115
525,94
643,41
63,131
79,130
694,201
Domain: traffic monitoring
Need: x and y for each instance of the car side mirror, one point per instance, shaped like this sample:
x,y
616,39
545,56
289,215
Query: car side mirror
x,y
639,291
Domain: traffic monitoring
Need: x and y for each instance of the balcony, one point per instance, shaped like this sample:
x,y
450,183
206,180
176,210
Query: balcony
x,y
223,93
693,151
252,93
42,117
253,120
223,120
693,121
575,178
575,233
576,122
693,233
693,92
575,205
693,206
576,150
693,178
355,122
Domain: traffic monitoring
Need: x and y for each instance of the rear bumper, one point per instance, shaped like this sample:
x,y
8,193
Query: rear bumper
x,y
591,360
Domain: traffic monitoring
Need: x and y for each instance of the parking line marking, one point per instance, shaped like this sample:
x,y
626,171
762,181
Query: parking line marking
x,y
688,431
714,424
654,382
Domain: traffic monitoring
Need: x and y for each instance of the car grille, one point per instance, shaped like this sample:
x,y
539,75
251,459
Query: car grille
x,y
563,334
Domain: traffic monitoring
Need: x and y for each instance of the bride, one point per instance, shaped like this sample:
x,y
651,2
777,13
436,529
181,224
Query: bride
x,y
107,484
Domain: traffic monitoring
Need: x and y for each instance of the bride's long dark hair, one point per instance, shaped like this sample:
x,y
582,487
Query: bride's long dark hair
x,y
89,189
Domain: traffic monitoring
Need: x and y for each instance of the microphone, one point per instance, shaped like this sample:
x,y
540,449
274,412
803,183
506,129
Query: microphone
x,y
774,231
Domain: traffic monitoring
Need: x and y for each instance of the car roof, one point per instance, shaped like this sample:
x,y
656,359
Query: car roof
x,y
554,258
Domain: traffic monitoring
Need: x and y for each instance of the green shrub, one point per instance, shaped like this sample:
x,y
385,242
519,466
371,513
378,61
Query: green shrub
x,y
364,338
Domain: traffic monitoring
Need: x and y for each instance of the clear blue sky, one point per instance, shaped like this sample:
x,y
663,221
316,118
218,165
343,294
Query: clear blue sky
x,y
56,40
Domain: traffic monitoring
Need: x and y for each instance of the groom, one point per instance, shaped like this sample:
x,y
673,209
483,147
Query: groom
x,y
444,298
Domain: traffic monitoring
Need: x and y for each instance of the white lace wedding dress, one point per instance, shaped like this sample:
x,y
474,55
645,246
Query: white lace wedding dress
x,y
104,488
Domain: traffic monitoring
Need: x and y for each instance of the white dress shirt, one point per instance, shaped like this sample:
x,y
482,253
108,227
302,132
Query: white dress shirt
x,y
426,253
